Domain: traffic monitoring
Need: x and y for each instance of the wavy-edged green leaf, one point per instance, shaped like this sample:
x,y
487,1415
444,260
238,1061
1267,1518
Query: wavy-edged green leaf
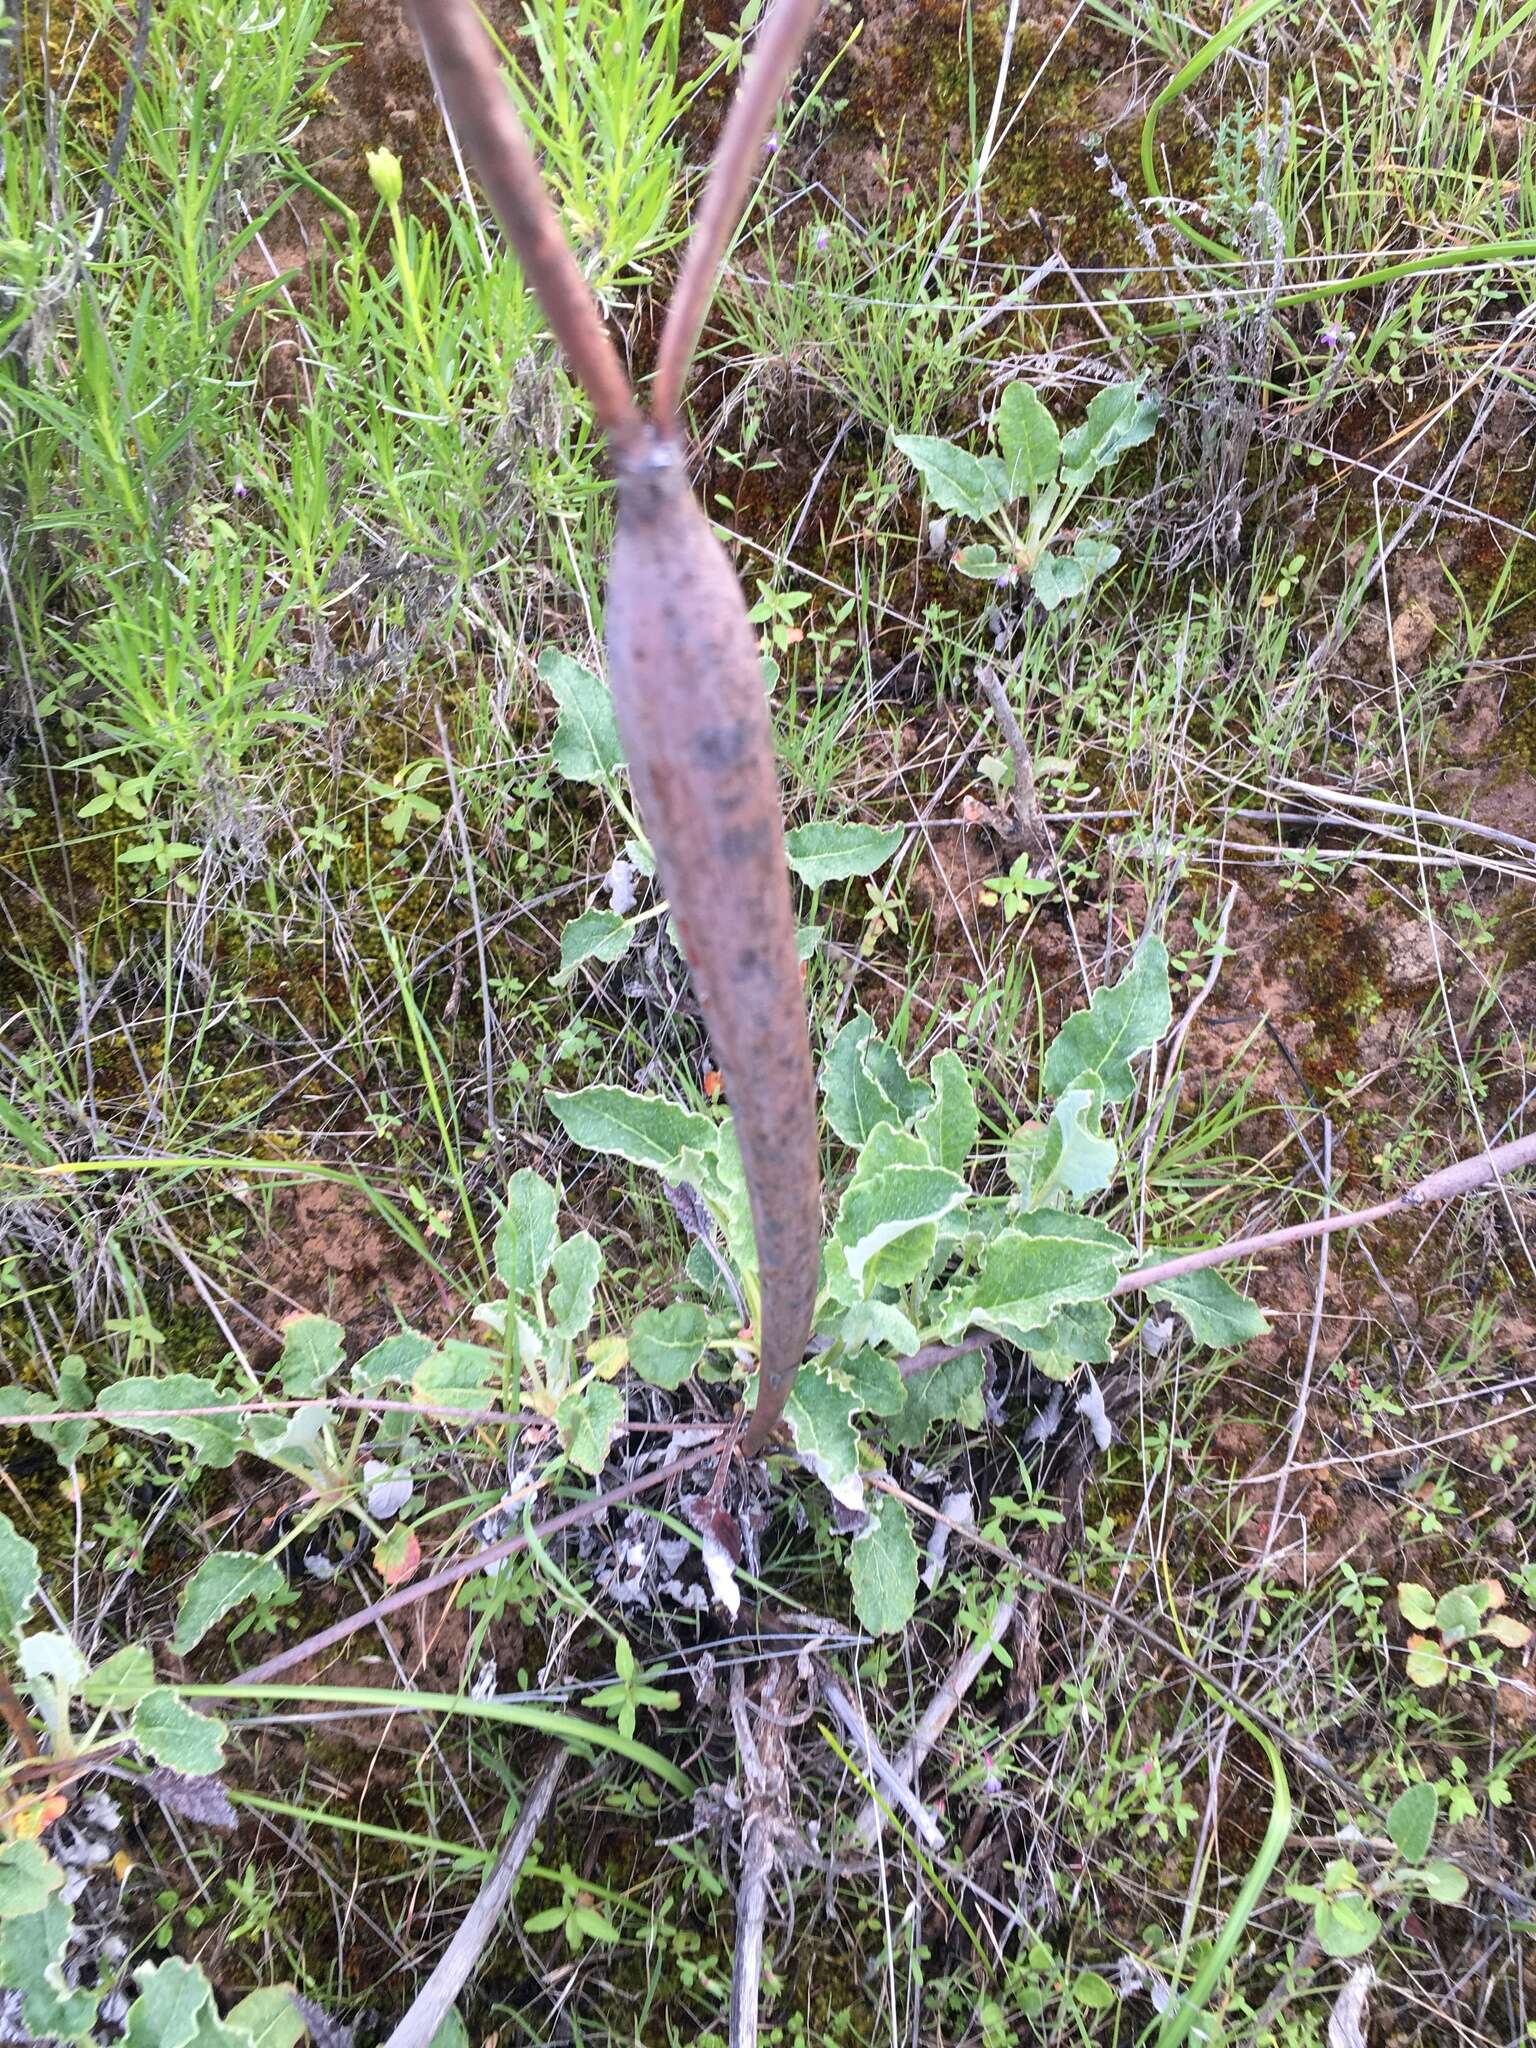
x,y
1118,419
587,1420
175,1998
820,1412
950,1392
600,935
1041,1263
949,1125
20,1577
31,1963
882,1568
577,1267
887,1220
864,1083
1078,1334
526,1234
1070,1154
176,1735
829,852
872,1322
121,1680
296,1441
391,1362
644,1129
666,1344
1057,579
29,1877
268,2018
456,1375
312,1349
1214,1310
156,1407
874,1381
956,480
722,1180
586,743
1028,439
1095,1046
980,561
218,1586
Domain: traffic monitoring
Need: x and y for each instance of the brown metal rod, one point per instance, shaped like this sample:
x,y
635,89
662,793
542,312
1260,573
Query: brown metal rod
x,y
779,44
474,93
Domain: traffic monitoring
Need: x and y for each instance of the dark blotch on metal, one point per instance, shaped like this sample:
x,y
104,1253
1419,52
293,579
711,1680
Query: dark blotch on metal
x,y
678,638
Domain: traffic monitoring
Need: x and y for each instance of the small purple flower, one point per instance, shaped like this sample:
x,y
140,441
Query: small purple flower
x,y
771,145
237,488
1334,335
823,237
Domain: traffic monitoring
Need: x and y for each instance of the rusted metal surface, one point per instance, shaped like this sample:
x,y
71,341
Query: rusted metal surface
x,y
685,668
688,690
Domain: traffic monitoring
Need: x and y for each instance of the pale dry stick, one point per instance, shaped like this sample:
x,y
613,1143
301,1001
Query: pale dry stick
x,y
1359,801
765,1820
1033,830
885,1773
429,2008
1463,1178
936,1717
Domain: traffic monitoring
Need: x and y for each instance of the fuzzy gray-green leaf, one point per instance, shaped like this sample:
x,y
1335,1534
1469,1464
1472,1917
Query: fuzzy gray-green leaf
x,y
20,1576
1095,1046
217,1587
586,743
956,480
526,1235
829,852
882,1567
643,1129
176,1735
666,1344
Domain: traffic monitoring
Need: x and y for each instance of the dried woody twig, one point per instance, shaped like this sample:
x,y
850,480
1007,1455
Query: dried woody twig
x,y
765,1824
475,1931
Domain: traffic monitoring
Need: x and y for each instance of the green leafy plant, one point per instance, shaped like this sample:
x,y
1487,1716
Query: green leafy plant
x,y
632,1689
1048,472
916,1255
1019,889
578,1916
1346,1915
1454,1627
93,1715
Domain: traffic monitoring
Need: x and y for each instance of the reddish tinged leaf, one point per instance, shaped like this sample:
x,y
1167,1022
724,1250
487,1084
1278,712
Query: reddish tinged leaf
x,y
398,1556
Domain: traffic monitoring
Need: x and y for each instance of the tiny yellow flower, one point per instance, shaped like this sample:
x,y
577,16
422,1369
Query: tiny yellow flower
x,y
384,170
